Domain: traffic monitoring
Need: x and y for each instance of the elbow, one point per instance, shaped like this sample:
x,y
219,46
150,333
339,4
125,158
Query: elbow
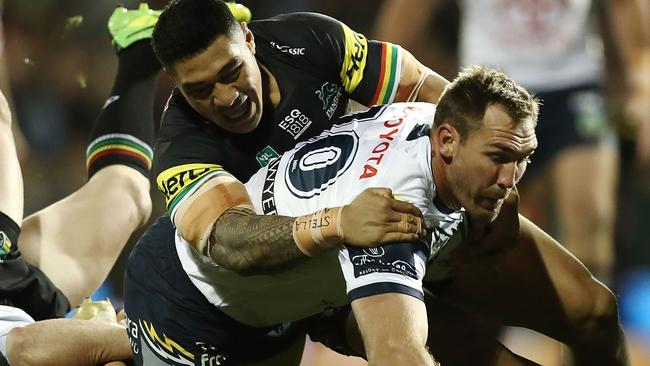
x,y
246,269
236,262
20,348
229,255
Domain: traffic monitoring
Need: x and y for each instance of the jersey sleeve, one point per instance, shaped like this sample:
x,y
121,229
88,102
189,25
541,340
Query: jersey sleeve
x,y
185,156
369,71
391,268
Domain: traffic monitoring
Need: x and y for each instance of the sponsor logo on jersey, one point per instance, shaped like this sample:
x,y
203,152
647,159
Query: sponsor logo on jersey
x,y
165,348
268,195
354,59
132,330
295,123
371,167
5,244
315,166
294,51
175,182
210,355
393,258
329,94
265,155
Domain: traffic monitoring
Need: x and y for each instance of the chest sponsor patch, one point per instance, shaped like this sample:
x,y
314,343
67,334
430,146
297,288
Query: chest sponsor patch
x,y
295,123
265,155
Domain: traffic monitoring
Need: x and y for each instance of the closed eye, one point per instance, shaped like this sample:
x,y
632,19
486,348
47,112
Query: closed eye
x,y
232,75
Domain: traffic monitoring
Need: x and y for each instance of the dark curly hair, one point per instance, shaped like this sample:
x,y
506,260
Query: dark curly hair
x,y
188,27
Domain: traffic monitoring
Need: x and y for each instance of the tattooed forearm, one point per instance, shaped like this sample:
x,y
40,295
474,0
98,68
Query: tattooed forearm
x,y
245,242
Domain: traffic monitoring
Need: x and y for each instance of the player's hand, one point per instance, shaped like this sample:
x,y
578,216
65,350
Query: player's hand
x,y
375,217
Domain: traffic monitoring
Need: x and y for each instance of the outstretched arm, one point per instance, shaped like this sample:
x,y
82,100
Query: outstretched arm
x,y
245,242
67,342
404,22
394,329
11,179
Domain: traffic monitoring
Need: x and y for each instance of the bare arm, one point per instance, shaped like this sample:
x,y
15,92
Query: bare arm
x,y
67,342
245,242
11,179
400,337
631,31
404,21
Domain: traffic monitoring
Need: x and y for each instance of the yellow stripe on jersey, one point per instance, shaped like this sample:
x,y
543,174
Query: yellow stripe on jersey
x,y
175,182
354,59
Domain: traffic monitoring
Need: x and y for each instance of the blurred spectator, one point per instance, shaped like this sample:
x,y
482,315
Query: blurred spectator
x,y
549,47
553,49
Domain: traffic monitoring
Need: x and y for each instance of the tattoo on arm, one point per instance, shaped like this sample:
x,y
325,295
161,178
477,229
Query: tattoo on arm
x,y
245,242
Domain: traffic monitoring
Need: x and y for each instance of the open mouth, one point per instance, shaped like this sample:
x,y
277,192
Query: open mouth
x,y
238,109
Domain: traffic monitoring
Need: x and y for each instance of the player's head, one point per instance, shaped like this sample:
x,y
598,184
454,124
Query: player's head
x,y
212,59
484,133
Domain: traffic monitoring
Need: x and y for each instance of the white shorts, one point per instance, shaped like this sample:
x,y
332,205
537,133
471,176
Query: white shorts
x,y
10,318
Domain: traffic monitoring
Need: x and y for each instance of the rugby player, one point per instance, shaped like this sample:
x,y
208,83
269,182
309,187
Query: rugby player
x,y
61,254
461,173
192,142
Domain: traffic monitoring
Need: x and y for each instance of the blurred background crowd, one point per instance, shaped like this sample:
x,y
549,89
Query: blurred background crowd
x,y
61,66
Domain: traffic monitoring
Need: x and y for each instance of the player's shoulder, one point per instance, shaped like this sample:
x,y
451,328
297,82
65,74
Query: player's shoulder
x,y
178,117
301,34
410,113
287,23
414,109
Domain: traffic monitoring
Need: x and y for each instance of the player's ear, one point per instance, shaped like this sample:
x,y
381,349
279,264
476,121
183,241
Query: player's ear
x,y
447,139
248,36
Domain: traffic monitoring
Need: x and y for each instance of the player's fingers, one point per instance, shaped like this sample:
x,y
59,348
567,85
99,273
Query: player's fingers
x,y
407,224
397,237
405,207
120,316
384,192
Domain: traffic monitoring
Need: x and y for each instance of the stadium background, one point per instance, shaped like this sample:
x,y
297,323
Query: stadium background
x,y
61,68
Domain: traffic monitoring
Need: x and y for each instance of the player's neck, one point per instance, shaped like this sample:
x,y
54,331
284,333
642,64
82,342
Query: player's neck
x,y
443,189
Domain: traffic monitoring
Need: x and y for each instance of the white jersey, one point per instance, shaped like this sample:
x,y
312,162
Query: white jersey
x,y
10,318
542,44
386,146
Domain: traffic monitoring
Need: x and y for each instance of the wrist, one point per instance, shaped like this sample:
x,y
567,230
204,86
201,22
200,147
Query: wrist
x,y
318,231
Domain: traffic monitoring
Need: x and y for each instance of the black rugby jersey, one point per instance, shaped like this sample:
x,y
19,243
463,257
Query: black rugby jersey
x,y
319,64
